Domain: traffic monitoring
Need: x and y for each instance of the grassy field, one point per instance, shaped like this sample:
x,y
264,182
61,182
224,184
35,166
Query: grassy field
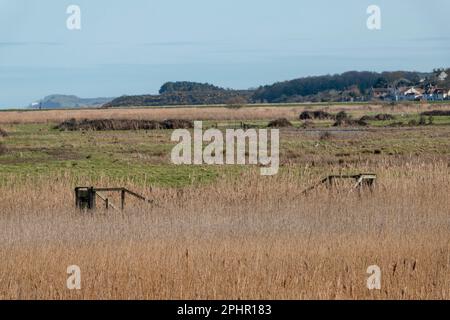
x,y
225,232
214,113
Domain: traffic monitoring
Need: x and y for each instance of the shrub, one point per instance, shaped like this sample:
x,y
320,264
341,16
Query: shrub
x,y
113,124
320,115
422,121
3,133
2,149
378,117
280,123
436,113
344,119
342,116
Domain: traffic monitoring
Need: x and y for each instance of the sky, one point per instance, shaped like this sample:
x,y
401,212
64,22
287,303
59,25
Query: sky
x,y
133,47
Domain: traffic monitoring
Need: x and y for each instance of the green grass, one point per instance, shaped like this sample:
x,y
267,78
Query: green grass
x,y
405,120
88,173
37,151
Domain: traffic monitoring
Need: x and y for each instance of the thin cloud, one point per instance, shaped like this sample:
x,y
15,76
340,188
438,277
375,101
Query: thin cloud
x,y
28,43
175,43
429,39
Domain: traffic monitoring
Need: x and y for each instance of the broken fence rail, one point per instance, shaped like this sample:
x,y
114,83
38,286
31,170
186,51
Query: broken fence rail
x,y
361,180
85,197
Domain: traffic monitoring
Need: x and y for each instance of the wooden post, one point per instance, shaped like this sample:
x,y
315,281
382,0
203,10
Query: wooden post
x,y
76,198
91,197
122,196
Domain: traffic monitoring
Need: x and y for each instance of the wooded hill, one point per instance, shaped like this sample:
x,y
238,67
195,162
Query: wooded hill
x,y
348,86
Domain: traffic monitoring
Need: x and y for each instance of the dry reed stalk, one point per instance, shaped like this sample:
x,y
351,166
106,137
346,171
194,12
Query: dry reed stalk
x,y
249,113
252,238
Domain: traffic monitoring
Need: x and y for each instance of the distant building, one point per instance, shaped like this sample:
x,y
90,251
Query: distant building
x,y
410,94
435,94
442,76
35,105
381,93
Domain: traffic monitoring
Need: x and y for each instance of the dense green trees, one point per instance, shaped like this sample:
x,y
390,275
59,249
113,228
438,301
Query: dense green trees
x,y
183,86
349,81
348,86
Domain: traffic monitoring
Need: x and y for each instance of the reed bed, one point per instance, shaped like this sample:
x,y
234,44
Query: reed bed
x,y
248,238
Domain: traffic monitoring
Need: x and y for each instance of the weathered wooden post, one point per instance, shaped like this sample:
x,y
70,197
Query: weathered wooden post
x,y
122,196
85,198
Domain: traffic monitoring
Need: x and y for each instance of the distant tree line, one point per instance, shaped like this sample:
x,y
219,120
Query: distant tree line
x,y
354,81
186,86
348,86
226,97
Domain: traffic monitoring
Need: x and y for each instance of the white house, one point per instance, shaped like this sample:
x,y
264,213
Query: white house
x,y
413,94
409,94
442,76
35,105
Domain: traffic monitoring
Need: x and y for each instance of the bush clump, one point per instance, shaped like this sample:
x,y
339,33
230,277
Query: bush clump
x,y
2,149
3,133
280,123
316,115
343,119
436,113
113,124
378,117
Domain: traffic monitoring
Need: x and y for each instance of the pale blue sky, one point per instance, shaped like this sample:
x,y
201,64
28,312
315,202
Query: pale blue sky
x,y
133,47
